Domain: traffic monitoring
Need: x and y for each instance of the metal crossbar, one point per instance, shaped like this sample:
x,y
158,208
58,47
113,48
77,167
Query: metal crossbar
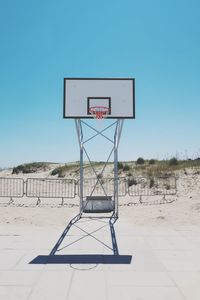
x,y
99,132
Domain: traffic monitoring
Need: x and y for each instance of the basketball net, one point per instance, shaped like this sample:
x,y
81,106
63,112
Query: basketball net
x,y
99,112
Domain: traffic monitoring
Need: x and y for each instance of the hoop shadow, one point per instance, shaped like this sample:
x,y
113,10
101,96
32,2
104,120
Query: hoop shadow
x,y
114,258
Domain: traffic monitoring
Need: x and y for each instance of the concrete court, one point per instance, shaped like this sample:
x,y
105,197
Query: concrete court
x,y
165,262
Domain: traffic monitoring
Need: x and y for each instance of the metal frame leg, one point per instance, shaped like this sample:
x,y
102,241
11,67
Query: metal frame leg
x,y
115,143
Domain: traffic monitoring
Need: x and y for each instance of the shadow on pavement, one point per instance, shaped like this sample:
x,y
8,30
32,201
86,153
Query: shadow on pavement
x,y
82,259
114,258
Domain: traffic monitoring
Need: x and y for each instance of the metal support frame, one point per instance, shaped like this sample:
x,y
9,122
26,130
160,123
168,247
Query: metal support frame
x,y
118,125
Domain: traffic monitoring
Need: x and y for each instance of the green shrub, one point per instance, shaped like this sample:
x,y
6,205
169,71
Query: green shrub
x,y
18,169
55,171
60,171
152,161
167,186
120,165
140,161
126,167
132,181
99,176
30,168
152,182
173,161
129,174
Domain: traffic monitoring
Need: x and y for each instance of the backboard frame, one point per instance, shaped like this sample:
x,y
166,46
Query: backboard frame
x,y
105,79
89,104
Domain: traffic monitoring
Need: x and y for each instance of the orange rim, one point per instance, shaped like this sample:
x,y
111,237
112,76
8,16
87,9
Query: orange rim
x,y
99,112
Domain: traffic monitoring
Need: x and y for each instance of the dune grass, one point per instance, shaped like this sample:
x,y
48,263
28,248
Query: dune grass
x,y
156,168
31,168
60,171
150,168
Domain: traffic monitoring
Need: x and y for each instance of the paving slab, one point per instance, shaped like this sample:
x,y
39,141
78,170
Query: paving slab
x,y
145,293
18,278
123,279
9,258
51,285
14,292
87,285
188,283
164,264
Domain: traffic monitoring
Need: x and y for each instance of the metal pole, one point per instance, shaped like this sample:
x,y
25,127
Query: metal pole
x,y
121,123
81,169
116,170
117,137
80,139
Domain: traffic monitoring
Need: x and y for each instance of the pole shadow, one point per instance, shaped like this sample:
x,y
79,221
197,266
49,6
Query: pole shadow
x,y
54,258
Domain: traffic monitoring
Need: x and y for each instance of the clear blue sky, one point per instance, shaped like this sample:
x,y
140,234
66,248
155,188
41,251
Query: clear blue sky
x,y
157,42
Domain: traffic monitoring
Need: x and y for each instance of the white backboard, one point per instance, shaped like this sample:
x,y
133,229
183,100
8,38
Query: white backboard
x,y
80,94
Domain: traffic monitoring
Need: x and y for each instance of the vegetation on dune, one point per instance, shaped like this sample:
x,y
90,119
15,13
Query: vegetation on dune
x,y
126,167
60,171
140,161
123,166
156,168
149,168
31,168
165,167
173,161
152,161
151,183
132,181
120,165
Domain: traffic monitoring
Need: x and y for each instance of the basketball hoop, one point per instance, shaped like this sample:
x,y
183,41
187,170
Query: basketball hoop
x,y
99,112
